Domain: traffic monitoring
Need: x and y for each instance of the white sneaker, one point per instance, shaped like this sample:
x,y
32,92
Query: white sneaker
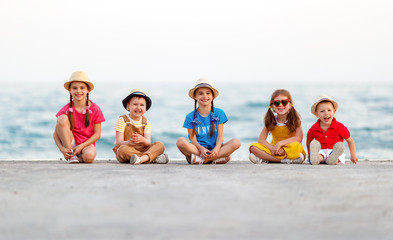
x,y
74,159
221,160
315,147
195,159
338,149
256,160
287,161
161,159
298,160
135,159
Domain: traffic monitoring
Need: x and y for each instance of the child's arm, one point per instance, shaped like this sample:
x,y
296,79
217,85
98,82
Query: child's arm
x,y
137,139
94,138
203,151
220,139
67,152
262,138
352,149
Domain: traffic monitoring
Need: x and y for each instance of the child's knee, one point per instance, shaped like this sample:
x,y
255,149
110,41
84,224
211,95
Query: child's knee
x,y
181,142
160,145
252,149
236,143
62,120
88,157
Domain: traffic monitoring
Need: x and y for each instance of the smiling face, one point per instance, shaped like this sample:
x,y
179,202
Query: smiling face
x,y
204,96
281,100
325,112
79,91
137,107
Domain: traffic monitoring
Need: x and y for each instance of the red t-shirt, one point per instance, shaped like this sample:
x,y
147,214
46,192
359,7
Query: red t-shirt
x,y
80,132
337,132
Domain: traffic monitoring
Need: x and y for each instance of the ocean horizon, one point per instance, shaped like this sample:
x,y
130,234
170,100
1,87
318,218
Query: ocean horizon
x,y
28,118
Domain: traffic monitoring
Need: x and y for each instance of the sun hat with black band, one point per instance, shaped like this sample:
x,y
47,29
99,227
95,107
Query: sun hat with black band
x,y
79,77
323,98
139,93
203,82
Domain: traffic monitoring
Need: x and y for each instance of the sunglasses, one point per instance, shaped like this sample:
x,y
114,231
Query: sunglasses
x,y
283,102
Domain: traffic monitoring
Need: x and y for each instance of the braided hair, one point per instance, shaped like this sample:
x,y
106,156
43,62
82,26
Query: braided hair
x,y
87,116
212,125
71,114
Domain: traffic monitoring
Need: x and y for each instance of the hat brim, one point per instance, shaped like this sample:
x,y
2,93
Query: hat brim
x,y
192,91
67,84
127,99
314,106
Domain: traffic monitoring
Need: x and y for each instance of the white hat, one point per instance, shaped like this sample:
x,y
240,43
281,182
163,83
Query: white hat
x,y
203,82
323,97
79,77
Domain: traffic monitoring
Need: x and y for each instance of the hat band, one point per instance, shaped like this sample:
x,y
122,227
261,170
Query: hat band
x,y
323,99
139,93
203,85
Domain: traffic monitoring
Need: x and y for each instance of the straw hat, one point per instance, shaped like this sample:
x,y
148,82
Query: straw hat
x,y
321,98
137,92
203,82
79,77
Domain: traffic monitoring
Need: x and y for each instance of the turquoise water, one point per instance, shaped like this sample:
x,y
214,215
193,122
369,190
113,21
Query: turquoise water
x,y
28,114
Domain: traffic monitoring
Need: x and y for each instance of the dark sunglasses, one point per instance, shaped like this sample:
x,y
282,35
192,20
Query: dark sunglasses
x,y
283,102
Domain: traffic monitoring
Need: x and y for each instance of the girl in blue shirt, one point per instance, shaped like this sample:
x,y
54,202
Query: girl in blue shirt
x,y
205,127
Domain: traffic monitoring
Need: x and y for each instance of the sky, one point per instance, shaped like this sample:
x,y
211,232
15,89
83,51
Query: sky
x,y
178,40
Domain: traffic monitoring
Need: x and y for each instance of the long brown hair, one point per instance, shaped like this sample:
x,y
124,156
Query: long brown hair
x,y
293,118
212,125
71,114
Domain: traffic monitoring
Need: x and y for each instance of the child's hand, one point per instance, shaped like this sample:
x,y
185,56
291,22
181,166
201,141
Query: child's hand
x,y
278,150
205,153
136,139
354,159
213,153
77,150
67,152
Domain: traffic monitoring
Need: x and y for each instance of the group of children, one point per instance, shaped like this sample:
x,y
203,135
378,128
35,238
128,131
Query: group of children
x,y
79,127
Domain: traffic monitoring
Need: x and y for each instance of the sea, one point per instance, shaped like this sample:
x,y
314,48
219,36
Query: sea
x,y
28,114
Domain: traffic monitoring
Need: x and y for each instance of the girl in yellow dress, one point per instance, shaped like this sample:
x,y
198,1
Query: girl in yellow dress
x,y
283,122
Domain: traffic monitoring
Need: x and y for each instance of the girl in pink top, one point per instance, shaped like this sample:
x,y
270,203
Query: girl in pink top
x,y
78,125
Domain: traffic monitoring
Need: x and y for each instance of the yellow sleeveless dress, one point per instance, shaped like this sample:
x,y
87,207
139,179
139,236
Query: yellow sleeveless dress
x,y
279,133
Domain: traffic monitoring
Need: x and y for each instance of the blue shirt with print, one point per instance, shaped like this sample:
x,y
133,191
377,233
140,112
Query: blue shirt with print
x,y
203,127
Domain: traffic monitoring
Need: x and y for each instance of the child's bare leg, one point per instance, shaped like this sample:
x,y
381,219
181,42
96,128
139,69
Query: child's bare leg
x,y
145,158
186,147
63,131
88,154
226,150
263,155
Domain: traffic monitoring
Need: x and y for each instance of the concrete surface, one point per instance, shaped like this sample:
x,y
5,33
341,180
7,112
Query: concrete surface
x,y
239,200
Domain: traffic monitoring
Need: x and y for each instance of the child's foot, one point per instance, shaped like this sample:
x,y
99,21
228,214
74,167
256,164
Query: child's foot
x,y
161,159
222,160
135,159
256,160
73,159
338,149
195,159
298,160
315,147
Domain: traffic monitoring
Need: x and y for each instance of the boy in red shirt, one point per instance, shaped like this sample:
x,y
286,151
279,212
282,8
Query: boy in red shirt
x,y
325,137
